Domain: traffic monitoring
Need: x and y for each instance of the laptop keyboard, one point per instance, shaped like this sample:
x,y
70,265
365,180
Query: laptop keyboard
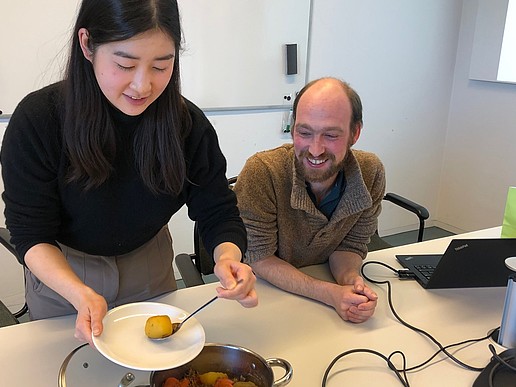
x,y
425,270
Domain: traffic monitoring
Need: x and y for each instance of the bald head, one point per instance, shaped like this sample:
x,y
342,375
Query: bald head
x,y
330,90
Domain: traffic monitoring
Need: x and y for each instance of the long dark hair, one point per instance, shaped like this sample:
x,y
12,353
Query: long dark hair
x,y
88,133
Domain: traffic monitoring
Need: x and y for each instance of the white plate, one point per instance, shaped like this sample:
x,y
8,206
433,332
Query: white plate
x,y
124,342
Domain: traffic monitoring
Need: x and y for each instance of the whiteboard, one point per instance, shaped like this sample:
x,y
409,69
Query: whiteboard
x,y
235,54
34,38
488,38
234,50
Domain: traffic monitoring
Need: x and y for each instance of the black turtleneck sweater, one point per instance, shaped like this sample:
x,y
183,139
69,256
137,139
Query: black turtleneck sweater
x,y
122,214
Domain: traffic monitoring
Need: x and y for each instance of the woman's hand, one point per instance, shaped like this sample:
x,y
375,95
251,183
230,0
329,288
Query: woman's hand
x,y
237,278
91,309
237,281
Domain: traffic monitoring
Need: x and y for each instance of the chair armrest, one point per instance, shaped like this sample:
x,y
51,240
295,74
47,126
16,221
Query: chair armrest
x,y
189,273
421,212
24,309
5,240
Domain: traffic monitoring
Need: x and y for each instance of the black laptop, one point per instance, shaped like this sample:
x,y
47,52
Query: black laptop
x,y
466,263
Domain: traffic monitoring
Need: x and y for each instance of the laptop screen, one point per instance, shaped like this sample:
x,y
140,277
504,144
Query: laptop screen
x,y
466,263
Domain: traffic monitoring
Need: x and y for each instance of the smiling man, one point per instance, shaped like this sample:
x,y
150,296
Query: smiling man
x,y
315,201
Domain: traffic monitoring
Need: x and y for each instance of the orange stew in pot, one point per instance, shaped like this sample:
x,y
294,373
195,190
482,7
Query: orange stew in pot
x,y
208,379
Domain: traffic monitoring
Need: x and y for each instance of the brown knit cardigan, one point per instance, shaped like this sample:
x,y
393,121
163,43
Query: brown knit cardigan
x,y
282,220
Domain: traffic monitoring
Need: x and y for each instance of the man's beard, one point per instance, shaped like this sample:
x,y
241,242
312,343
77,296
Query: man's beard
x,y
315,175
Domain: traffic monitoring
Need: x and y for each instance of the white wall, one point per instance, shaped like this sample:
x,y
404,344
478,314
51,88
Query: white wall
x,y
399,56
480,152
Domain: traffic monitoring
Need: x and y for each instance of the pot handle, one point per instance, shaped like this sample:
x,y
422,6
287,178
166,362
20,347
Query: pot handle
x,y
285,379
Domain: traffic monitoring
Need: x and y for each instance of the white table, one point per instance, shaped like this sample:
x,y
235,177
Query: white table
x,y
305,333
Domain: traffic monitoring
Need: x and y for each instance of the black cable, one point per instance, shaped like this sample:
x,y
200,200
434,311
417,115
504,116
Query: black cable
x,y
442,348
401,376
415,329
501,362
413,368
402,373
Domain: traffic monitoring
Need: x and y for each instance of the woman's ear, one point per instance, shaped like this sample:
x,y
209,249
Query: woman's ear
x,y
84,40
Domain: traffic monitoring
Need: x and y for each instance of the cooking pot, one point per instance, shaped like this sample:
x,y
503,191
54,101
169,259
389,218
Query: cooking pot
x,y
233,360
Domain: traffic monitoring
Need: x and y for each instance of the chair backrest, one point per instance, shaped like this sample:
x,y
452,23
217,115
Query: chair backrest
x,y
204,260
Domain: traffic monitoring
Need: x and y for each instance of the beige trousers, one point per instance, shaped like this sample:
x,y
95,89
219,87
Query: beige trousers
x,y
139,275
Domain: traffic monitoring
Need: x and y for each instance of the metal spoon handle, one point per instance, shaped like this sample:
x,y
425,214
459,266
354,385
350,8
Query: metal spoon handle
x,y
198,309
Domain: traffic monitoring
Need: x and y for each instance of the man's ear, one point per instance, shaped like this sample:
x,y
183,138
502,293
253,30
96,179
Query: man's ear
x,y
84,40
356,135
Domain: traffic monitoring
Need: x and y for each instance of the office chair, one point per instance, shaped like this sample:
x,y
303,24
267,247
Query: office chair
x,y
377,243
193,266
6,316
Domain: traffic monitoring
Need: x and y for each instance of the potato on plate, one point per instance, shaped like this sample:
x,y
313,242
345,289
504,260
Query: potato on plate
x,y
158,327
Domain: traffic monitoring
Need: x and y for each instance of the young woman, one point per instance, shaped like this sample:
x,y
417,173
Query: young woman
x,y
94,167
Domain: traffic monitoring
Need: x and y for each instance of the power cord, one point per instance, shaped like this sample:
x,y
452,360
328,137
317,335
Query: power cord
x,y
412,327
500,362
401,373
